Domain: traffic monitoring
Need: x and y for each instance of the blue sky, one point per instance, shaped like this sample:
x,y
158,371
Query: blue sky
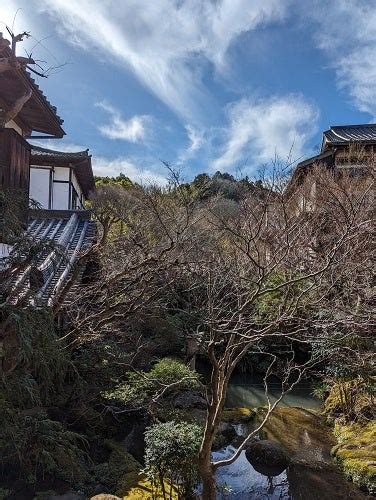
x,y
206,85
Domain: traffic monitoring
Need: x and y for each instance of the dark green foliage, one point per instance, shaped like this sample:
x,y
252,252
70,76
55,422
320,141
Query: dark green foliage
x,y
119,464
166,377
32,442
120,180
42,376
171,454
41,363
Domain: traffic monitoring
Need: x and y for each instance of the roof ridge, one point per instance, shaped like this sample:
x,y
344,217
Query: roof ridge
x,y
47,150
365,125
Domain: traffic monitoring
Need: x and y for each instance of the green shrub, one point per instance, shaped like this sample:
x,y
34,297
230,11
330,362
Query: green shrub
x,y
142,386
34,443
171,454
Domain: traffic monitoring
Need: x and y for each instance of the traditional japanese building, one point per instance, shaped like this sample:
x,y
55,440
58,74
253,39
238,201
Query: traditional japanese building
x,y
57,183
60,180
349,149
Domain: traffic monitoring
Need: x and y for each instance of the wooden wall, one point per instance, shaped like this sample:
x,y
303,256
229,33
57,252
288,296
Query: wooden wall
x,y
14,162
14,180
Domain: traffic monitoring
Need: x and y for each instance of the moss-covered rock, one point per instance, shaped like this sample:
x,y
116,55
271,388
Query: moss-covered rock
x,y
299,431
143,489
238,415
113,474
350,399
356,452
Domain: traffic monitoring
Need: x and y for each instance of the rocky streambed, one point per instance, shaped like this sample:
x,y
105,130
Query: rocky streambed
x,y
292,460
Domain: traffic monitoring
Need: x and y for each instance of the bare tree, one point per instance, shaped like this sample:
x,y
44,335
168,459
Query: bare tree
x,y
275,271
247,276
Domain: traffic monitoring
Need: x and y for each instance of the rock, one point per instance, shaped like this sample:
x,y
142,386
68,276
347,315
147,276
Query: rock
x,y
267,457
190,399
134,442
228,431
69,495
238,415
105,496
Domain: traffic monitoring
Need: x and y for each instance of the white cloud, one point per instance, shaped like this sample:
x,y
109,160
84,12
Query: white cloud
x,y
106,167
346,32
196,138
133,130
262,130
160,40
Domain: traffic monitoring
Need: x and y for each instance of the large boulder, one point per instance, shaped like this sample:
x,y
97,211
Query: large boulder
x,y
190,399
267,457
228,431
134,442
105,496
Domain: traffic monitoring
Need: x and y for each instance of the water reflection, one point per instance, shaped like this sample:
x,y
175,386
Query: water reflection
x,y
241,481
248,390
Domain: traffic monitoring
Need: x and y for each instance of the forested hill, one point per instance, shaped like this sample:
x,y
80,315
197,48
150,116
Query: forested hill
x,y
205,185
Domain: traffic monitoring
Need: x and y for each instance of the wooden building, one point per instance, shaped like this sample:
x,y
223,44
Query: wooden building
x,y
58,183
349,149
60,180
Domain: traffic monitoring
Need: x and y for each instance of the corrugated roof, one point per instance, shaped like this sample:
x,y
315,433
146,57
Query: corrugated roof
x,y
343,134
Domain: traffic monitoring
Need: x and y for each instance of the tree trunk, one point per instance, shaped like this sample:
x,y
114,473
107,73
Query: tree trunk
x,y
208,476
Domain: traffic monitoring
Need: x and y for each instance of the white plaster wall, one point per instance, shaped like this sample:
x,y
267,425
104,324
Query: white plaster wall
x,y
77,187
61,173
60,196
39,185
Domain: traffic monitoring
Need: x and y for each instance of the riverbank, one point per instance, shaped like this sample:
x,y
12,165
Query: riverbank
x,y
311,473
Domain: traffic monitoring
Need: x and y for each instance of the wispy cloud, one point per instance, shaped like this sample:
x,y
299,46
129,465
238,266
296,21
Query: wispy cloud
x,y
131,168
164,43
262,130
196,138
133,130
196,141
346,32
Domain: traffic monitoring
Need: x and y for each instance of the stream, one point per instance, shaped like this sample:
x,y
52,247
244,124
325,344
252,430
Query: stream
x,y
311,475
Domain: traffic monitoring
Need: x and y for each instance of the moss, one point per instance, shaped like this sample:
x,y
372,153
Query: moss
x,y
238,415
290,426
356,452
114,472
351,399
145,489
4,493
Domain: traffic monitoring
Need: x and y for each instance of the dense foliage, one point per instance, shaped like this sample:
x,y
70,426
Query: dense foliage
x,y
171,454
221,270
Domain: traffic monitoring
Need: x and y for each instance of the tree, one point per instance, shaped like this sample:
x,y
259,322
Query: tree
x,y
275,272
271,274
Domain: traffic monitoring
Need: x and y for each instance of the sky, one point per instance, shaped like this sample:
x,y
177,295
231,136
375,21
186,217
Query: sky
x,y
205,85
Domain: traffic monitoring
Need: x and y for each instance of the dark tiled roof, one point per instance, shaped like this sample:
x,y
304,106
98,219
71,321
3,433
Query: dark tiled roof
x,y
37,112
80,160
42,283
324,157
52,108
344,134
50,154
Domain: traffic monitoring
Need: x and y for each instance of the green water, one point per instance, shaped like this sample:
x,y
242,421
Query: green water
x,y
247,390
